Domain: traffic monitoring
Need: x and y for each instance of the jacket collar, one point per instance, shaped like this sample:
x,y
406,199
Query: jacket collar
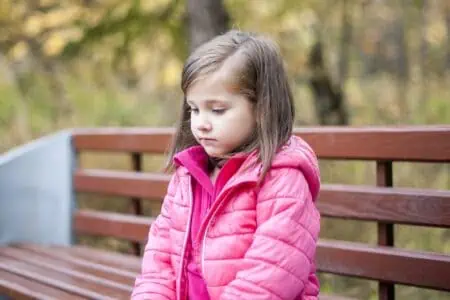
x,y
249,170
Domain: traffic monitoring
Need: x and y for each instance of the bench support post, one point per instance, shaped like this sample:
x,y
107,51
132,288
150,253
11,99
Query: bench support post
x,y
386,291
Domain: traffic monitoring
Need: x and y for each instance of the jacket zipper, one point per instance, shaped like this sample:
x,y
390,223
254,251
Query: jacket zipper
x,y
183,250
212,216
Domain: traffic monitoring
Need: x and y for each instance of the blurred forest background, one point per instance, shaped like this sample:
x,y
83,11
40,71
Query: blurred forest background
x,y
90,63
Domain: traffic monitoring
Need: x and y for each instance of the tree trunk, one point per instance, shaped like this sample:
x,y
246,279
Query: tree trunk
x,y
346,38
206,19
63,106
329,98
447,21
424,55
423,40
402,60
402,48
21,117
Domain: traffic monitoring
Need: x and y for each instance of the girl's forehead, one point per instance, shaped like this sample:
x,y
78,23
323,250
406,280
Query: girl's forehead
x,y
211,88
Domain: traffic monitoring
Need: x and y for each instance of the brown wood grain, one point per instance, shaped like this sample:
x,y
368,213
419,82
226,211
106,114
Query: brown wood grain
x,y
385,231
121,267
408,143
65,282
18,287
428,270
67,267
108,258
136,203
395,205
412,143
146,140
128,227
121,183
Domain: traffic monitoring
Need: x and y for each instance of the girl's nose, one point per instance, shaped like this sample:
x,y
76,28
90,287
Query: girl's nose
x,y
204,124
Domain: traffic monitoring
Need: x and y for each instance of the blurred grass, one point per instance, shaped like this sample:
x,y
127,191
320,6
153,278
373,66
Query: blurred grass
x,y
371,102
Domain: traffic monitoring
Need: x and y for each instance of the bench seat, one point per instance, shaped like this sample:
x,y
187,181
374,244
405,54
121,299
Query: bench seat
x,y
54,272
66,273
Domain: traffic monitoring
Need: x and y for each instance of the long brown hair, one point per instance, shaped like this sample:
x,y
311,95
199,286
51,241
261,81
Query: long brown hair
x,y
260,76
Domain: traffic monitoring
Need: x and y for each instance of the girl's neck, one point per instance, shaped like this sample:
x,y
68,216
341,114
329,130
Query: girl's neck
x,y
213,175
214,166
216,162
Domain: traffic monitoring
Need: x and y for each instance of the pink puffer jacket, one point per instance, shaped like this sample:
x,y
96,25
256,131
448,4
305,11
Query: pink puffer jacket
x,y
258,242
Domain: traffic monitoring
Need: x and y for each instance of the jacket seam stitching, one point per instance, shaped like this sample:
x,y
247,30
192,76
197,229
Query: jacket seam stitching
x,y
262,287
289,245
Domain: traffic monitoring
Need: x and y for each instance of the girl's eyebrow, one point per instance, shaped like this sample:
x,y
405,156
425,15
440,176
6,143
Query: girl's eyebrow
x,y
209,102
215,101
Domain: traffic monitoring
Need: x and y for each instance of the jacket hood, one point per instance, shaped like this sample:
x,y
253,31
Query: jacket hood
x,y
296,153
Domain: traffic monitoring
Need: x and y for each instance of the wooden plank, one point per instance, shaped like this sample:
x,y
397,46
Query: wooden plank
x,y
75,285
109,258
384,264
18,287
120,268
407,143
128,227
121,183
136,203
87,272
396,205
391,205
385,231
89,256
148,140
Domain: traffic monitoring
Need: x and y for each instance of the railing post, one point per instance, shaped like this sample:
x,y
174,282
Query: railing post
x,y
136,203
386,291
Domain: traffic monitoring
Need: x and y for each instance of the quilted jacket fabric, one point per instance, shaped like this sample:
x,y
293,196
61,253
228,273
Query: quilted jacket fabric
x,y
259,242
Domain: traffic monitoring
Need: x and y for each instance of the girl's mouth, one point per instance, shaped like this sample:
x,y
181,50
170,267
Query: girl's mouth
x,y
208,141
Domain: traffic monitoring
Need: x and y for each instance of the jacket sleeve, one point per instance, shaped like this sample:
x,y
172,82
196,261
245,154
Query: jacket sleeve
x,y
157,278
279,264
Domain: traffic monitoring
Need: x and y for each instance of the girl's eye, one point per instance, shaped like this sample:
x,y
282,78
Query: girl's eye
x,y
193,110
219,111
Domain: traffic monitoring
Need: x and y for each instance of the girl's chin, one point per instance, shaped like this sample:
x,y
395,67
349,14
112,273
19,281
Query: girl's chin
x,y
214,154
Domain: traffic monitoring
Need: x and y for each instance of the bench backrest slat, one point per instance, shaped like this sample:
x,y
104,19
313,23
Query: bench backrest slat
x,y
128,227
120,183
138,140
428,143
418,144
391,205
396,205
429,270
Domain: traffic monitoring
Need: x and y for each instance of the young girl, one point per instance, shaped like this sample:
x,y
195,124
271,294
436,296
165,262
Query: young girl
x,y
239,219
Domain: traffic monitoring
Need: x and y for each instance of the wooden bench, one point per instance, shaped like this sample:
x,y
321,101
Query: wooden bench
x,y
43,271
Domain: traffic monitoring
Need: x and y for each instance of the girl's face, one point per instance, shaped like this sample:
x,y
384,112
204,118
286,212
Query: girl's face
x,y
221,119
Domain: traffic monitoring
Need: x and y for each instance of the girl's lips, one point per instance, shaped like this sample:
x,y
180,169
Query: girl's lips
x,y
207,141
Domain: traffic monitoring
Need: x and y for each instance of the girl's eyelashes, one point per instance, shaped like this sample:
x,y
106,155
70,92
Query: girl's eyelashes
x,y
219,111
193,110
